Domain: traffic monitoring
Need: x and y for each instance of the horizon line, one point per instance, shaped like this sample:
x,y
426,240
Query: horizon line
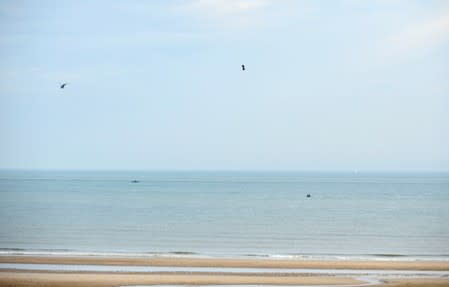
x,y
340,171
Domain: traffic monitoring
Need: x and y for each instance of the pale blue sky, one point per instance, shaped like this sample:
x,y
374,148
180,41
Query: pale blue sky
x,y
157,84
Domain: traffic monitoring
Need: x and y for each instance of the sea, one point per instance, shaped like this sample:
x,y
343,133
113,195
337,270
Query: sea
x,y
237,214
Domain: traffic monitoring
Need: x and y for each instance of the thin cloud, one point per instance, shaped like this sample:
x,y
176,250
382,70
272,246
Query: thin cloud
x,y
227,6
418,38
229,13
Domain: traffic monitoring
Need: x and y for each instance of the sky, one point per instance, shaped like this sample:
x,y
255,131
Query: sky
x,y
158,85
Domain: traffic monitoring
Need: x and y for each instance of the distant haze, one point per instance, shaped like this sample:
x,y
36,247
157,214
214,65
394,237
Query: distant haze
x,y
328,85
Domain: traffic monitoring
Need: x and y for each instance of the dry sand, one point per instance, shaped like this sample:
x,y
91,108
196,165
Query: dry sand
x,y
81,279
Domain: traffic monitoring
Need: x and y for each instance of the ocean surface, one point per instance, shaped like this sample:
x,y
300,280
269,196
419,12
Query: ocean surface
x,y
226,214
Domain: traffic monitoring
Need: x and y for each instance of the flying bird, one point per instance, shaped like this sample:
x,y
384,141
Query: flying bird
x,y
243,67
63,85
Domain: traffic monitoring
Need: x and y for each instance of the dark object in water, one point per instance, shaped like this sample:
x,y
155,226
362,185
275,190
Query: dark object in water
x,y
308,195
135,181
243,67
63,85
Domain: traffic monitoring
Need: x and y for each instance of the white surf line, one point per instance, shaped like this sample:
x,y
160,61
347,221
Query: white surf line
x,y
368,282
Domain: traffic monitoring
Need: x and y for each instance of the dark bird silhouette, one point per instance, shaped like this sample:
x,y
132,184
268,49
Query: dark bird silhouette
x,y
63,85
243,67
308,195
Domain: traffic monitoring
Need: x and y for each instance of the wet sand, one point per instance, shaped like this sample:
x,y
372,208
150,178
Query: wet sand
x,y
417,282
221,262
51,279
25,278
101,279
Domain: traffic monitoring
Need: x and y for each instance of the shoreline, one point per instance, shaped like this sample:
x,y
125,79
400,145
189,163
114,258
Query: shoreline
x,y
211,255
230,262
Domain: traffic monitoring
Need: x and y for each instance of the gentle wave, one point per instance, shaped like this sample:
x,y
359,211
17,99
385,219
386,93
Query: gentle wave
x,y
225,214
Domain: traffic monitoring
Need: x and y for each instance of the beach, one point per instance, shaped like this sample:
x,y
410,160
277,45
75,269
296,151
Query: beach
x,y
230,262
224,143
327,275
106,279
101,229
8,279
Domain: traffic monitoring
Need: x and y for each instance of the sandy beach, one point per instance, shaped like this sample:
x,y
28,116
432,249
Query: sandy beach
x,y
68,279
51,279
108,279
227,262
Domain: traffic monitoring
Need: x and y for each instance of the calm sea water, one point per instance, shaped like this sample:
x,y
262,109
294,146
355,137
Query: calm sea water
x,y
225,214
